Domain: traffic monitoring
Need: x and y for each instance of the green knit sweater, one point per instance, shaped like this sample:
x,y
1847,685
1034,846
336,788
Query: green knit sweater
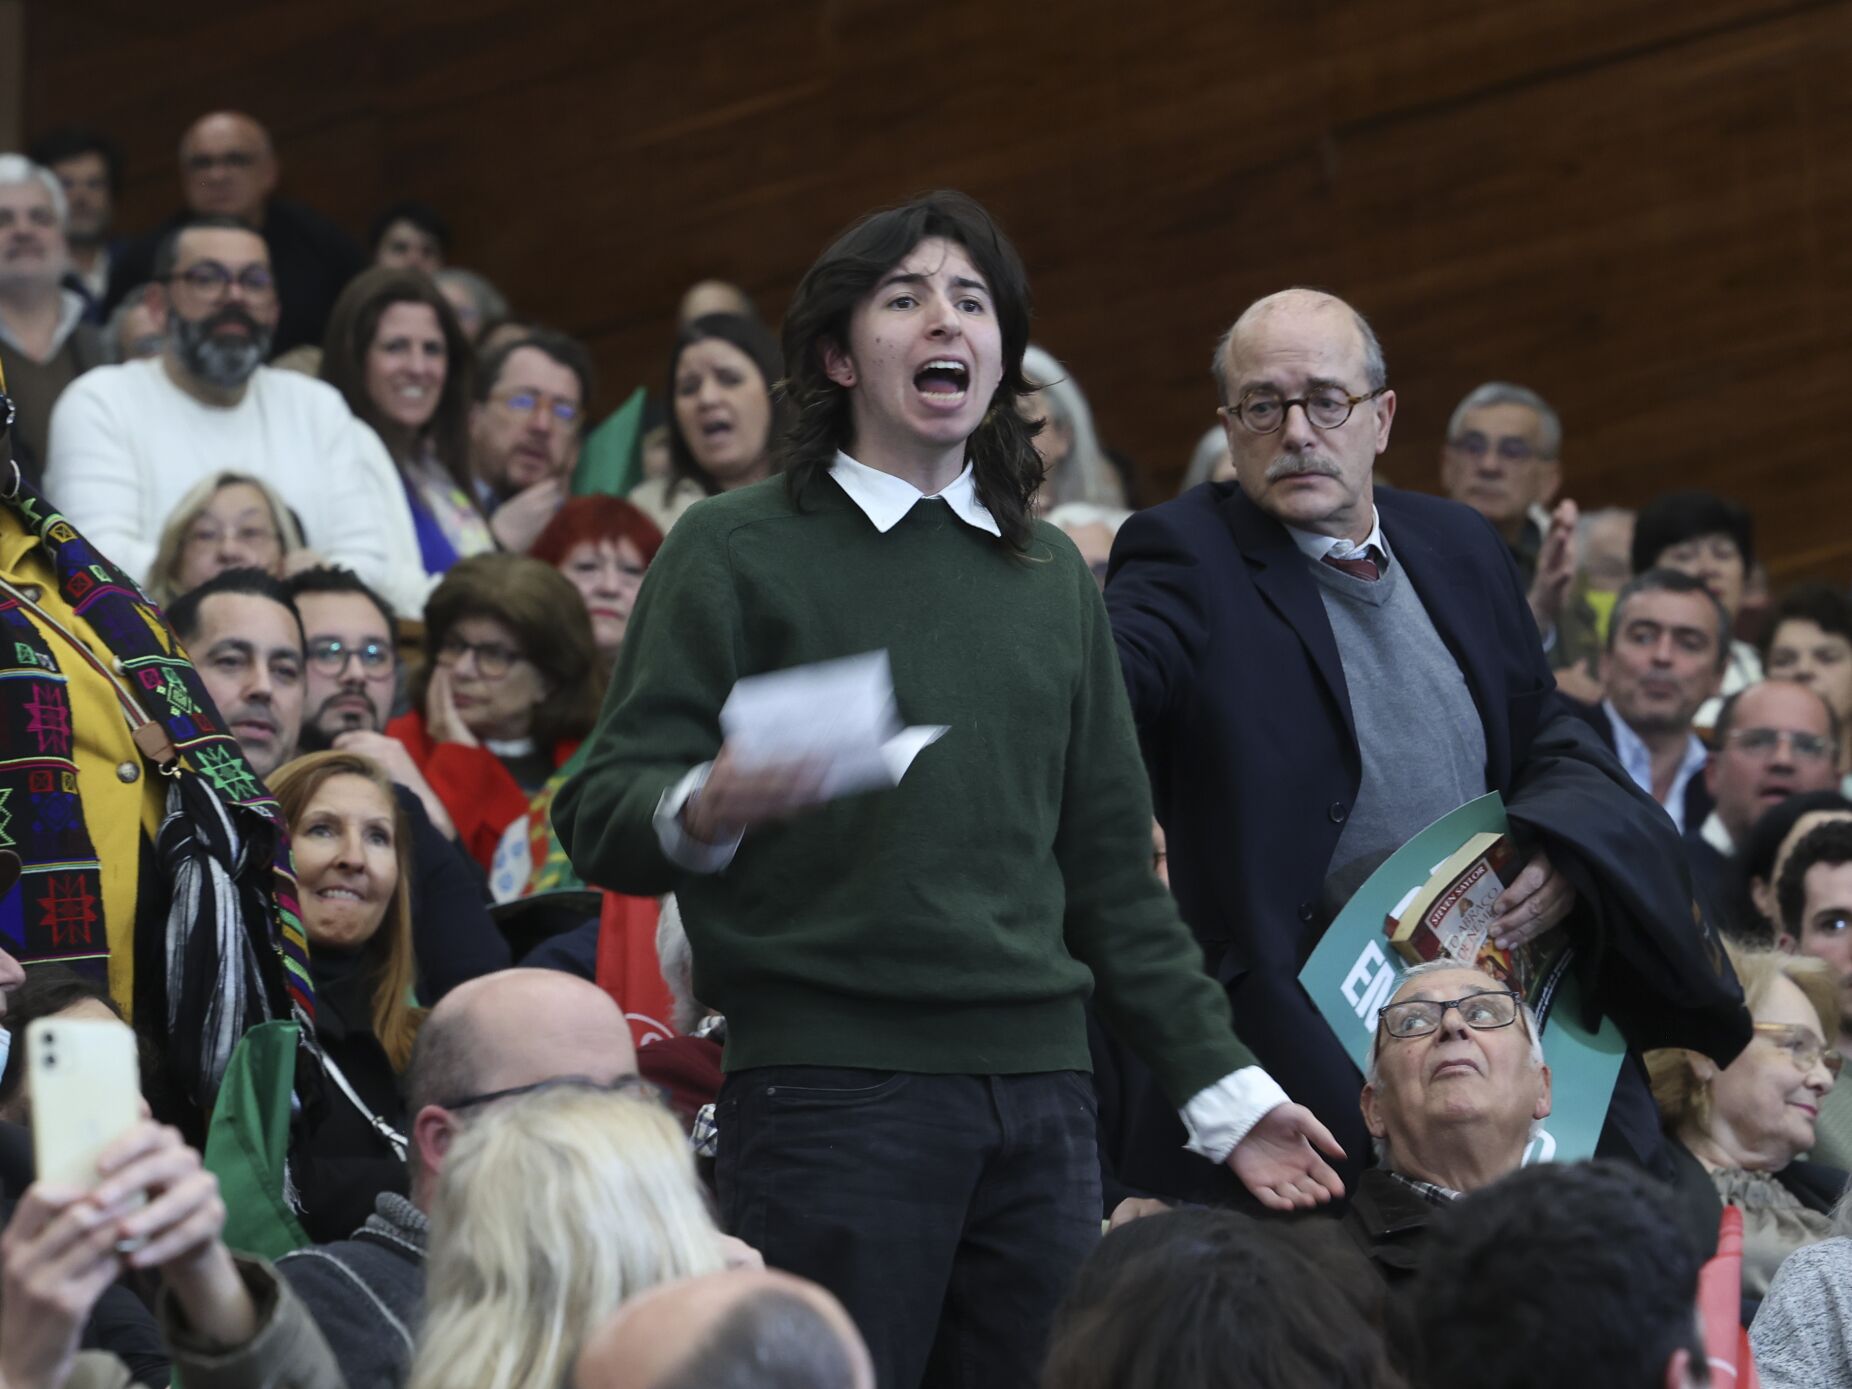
x,y
956,923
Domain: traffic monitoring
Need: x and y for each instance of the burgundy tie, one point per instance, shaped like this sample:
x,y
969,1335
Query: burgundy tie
x,y
1361,565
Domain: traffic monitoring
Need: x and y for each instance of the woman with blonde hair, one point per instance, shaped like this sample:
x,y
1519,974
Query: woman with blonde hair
x,y
554,1207
227,521
353,875
1735,1134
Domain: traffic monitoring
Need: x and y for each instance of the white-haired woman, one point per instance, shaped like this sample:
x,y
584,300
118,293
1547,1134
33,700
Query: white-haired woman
x,y
1076,468
555,1206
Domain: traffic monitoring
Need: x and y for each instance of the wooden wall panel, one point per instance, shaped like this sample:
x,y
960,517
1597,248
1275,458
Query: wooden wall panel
x,y
1643,209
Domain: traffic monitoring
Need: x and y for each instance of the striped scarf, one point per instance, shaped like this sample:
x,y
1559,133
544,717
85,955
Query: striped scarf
x,y
234,945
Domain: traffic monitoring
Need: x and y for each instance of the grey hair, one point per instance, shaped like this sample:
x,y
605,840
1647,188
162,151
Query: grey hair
x,y
16,168
1208,452
675,958
1585,527
771,1340
1375,365
1549,424
1087,514
1086,476
490,302
1374,1075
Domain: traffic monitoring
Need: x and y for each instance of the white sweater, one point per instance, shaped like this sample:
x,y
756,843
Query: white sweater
x,y
127,444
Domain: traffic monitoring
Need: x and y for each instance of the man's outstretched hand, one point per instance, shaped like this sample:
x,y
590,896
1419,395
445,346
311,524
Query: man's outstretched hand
x,y
1279,1160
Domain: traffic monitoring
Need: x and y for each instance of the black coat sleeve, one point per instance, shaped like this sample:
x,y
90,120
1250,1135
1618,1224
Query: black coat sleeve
x,y
452,933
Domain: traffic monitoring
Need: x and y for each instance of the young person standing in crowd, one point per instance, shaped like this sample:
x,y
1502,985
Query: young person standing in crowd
x,y
907,1118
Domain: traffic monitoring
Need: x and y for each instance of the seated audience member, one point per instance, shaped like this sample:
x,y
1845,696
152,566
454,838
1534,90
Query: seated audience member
x,y
722,420
1197,1299
476,301
605,1205
1502,457
409,235
88,166
502,1034
249,635
705,297
1075,467
1091,528
127,442
43,331
229,169
1773,740
401,362
758,1330
1809,639
227,1321
226,521
137,329
1457,1086
1210,461
353,867
1754,870
653,460
525,428
510,685
1814,890
1802,1334
1736,1134
1603,564
1713,540
603,545
51,991
1562,1275
1665,654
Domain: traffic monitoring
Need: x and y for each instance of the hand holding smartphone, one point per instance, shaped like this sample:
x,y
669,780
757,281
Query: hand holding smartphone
x,y
83,1077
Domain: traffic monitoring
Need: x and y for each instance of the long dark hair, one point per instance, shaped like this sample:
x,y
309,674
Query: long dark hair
x,y
1002,452
352,326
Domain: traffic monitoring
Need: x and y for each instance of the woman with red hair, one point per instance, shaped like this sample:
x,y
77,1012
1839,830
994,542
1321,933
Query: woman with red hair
x,y
603,545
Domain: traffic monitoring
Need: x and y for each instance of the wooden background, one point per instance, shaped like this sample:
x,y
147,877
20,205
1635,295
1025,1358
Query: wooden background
x,y
1641,208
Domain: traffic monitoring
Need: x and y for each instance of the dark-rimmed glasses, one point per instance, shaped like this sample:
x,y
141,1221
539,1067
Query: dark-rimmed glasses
x,y
211,281
1803,1048
1263,411
493,660
1483,1012
330,655
623,1085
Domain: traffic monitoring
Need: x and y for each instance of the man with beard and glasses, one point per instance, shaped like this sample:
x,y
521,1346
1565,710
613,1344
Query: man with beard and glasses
x,y
229,168
129,441
42,326
1319,668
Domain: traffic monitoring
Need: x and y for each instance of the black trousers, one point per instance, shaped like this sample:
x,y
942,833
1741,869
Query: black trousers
x,y
948,1212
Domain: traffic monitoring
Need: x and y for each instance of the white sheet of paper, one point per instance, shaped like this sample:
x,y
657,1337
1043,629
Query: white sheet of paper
x,y
841,713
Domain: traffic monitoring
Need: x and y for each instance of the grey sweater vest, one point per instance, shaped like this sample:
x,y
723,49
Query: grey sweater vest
x,y
1418,729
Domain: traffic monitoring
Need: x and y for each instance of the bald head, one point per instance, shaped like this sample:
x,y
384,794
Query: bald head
x,y
228,167
1340,320
516,1027
713,296
743,1330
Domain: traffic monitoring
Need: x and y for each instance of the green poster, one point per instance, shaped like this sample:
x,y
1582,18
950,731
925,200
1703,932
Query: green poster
x,y
1354,971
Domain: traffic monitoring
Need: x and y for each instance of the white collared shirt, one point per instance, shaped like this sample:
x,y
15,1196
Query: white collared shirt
x,y
1315,547
1634,755
884,498
1219,1116
71,309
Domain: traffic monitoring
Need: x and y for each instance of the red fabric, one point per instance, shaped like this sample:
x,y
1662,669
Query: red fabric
x,y
1720,1304
482,798
628,969
688,1068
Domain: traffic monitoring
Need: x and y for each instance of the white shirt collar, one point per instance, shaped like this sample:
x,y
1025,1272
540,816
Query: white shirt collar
x,y
884,498
1316,547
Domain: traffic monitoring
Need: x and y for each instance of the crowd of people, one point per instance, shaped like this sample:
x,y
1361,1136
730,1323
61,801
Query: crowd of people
x,y
508,1017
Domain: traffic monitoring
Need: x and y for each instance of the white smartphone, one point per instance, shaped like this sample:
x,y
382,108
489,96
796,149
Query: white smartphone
x,y
85,1085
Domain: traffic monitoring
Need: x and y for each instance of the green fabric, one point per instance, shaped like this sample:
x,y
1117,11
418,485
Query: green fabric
x,y
608,462
947,925
248,1139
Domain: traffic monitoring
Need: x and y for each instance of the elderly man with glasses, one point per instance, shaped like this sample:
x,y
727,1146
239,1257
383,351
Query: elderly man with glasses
x,y
129,441
1457,1084
524,432
1319,668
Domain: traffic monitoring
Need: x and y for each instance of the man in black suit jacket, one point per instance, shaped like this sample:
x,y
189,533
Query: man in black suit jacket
x,y
1666,653
1302,719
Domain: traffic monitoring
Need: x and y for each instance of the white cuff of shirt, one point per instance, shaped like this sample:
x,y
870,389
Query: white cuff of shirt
x,y
1219,1116
681,847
